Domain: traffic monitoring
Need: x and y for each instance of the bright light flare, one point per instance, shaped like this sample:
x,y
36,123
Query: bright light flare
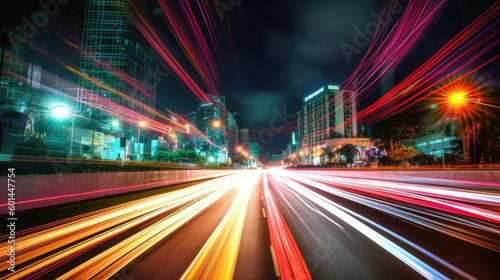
x,y
60,112
458,98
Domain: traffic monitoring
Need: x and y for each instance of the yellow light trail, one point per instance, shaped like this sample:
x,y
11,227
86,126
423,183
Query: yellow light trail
x,y
217,258
110,222
113,259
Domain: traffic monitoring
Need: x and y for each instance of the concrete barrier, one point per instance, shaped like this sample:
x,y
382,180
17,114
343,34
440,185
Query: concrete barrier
x,y
485,179
32,192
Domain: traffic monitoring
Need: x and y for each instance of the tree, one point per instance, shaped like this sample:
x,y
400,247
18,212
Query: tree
x,y
336,155
160,156
388,161
200,160
476,137
457,147
328,154
239,160
492,154
189,144
181,153
287,161
390,132
172,157
423,159
349,151
451,158
191,155
34,145
405,152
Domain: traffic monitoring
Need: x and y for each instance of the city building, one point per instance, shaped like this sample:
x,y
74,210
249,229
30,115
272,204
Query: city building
x,y
232,135
192,118
211,119
112,50
328,120
277,160
254,150
243,137
438,134
327,113
13,91
239,119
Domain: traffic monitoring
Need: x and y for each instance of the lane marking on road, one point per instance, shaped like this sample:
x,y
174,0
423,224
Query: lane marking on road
x,y
264,212
276,270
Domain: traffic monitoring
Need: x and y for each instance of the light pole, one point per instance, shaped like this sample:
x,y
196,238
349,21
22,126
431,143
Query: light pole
x,y
457,100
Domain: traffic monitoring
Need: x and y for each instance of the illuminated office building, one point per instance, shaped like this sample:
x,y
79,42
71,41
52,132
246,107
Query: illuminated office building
x,y
109,39
327,113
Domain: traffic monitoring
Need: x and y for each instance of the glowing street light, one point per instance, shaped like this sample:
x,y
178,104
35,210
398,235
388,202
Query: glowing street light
x,y
60,112
142,124
457,98
216,123
239,149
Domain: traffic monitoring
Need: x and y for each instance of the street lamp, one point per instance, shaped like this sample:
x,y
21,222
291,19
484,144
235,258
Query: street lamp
x,y
61,112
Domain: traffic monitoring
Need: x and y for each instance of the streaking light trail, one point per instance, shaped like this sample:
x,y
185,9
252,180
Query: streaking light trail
x,y
393,198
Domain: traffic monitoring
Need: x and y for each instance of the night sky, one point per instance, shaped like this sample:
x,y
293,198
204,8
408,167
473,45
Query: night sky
x,y
283,50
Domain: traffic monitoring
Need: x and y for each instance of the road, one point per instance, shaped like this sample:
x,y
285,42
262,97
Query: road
x,y
348,228
257,225
185,231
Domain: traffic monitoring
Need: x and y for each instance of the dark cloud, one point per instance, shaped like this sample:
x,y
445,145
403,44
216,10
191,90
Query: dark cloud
x,y
259,106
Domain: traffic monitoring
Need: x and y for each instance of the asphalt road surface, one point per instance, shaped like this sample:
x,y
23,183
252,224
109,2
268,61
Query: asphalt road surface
x,y
215,227
371,229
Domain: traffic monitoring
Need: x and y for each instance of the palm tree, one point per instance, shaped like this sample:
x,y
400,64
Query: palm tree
x,y
328,154
349,151
457,147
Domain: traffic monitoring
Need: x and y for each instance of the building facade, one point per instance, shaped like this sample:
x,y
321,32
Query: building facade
x,y
13,92
254,150
438,135
243,137
113,55
232,135
327,113
211,119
